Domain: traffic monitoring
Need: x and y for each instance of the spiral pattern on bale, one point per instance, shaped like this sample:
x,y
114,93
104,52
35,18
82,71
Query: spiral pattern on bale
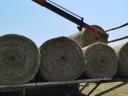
x,y
61,60
19,59
122,54
101,61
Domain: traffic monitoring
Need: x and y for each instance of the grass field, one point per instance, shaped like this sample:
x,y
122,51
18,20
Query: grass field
x,y
121,91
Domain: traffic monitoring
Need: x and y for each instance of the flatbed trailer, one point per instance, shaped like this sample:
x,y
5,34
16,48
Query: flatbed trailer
x,y
21,88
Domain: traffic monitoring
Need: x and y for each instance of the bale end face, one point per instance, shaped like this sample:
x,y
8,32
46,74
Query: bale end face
x,y
101,61
19,59
61,60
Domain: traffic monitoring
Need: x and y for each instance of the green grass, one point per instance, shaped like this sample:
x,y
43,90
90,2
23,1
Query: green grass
x,y
121,91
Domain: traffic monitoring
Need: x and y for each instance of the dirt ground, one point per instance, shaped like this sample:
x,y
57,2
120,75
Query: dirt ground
x,y
121,91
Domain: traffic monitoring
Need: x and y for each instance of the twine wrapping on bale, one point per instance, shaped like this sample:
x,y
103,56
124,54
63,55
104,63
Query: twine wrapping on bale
x,y
61,60
101,61
19,59
122,54
85,37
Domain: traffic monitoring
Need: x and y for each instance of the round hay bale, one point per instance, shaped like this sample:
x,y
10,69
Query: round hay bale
x,y
19,59
61,60
85,37
122,54
101,61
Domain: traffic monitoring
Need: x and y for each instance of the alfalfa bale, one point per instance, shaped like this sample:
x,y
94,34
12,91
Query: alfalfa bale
x,y
85,37
61,60
101,61
121,50
19,59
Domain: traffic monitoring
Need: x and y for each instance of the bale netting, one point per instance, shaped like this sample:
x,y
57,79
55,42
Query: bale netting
x,y
122,54
85,37
61,60
101,61
19,59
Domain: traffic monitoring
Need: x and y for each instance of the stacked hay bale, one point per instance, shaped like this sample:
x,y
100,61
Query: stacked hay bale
x,y
85,37
101,61
122,54
19,59
61,60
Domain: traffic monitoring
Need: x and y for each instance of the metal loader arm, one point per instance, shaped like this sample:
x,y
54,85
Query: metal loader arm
x,y
70,17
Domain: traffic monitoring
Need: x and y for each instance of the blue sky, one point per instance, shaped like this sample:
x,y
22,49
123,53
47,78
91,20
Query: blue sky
x,y
39,24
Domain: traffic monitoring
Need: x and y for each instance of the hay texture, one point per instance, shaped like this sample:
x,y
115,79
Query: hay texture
x,y
19,59
61,60
101,61
122,54
85,37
